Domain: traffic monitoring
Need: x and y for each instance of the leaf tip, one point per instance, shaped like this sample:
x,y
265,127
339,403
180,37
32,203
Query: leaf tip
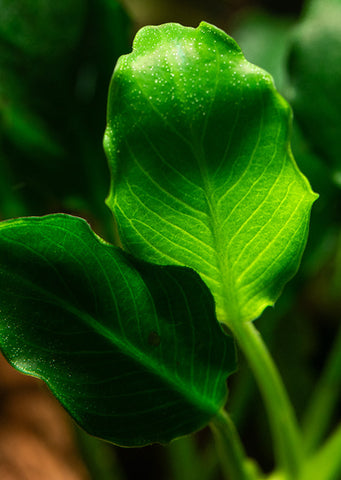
x,y
219,34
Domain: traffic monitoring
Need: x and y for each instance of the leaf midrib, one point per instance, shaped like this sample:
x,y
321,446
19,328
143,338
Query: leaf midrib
x,y
224,280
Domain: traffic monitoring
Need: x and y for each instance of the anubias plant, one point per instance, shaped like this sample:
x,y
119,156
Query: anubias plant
x,y
213,215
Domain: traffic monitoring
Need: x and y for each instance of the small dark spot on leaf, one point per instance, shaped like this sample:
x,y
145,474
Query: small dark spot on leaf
x,y
154,339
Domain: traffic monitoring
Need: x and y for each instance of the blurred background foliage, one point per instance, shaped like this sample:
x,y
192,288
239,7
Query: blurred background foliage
x,y
56,60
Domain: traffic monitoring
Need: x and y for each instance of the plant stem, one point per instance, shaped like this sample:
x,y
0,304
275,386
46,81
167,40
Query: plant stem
x,y
282,419
230,449
326,464
245,385
99,457
324,398
185,460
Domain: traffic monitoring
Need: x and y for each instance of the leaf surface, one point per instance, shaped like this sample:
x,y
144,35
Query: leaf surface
x,y
132,350
202,172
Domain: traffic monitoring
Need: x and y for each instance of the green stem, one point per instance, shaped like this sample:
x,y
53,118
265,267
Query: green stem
x,y
99,457
185,461
233,459
324,399
282,419
326,464
245,385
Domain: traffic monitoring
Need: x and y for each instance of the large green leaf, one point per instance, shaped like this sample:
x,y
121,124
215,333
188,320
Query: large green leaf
x,y
315,79
132,350
202,173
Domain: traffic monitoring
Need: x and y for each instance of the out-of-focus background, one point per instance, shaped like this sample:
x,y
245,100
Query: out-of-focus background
x,y
56,60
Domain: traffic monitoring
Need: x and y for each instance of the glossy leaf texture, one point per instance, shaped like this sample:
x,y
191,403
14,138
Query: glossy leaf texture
x,y
132,350
315,79
202,173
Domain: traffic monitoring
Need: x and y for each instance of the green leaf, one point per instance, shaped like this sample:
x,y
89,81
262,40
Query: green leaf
x,y
315,79
202,172
132,350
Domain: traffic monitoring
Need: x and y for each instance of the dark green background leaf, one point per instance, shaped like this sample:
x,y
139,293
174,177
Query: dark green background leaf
x,y
132,350
56,60
263,39
315,79
202,171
